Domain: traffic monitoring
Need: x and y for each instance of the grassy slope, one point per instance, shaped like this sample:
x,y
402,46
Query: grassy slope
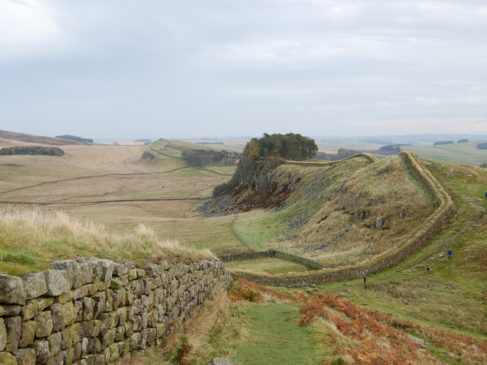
x,y
326,207
455,293
456,153
30,239
30,138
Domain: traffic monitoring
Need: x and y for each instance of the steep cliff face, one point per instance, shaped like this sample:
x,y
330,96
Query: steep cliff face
x,y
252,186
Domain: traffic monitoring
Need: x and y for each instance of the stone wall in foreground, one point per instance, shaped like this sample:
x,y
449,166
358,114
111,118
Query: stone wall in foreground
x,y
94,311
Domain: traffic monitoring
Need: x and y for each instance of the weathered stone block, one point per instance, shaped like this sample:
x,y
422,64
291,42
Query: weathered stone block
x,y
77,350
88,308
135,340
122,315
25,356
34,306
86,272
100,303
12,290
3,335
9,310
91,328
41,347
14,326
94,346
119,282
55,341
67,312
64,298
113,352
7,359
118,298
95,360
132,274
120,333
56,359
28,333
108,269
44,324
57,282
73,270
34,285
120,269
68,356
108,337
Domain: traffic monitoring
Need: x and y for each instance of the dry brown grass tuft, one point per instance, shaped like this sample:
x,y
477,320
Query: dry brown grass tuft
x,y
29,237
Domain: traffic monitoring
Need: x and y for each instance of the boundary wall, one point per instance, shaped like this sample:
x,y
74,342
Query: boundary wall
x,y
430,227
310,264
94,311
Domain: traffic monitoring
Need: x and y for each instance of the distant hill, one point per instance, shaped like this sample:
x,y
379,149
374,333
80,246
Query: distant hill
x,y
75,138
31,138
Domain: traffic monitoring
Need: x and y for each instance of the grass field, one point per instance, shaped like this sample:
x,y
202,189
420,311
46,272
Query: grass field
x,y
107,185
457,153
111,186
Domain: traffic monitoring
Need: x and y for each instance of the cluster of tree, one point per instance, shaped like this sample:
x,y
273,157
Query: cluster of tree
x,y
464,140
340,155
200,158
482,146
483,165
289,146
75,138
265,154
32,150
439,143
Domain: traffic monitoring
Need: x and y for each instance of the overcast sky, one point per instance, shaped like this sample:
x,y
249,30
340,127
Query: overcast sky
x,y
127,69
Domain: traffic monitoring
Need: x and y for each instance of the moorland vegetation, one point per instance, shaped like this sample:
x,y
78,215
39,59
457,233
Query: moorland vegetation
x,y
32,150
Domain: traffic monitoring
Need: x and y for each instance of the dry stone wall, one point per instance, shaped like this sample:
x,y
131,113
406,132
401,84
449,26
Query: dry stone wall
x,y
310,264
429,228
94,311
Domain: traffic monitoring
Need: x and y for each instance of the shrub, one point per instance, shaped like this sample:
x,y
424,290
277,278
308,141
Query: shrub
x,y
182,350
290,146
200,158
442,142
32,150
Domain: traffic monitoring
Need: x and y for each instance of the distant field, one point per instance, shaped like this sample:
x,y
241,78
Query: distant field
x,y
111,185
457,153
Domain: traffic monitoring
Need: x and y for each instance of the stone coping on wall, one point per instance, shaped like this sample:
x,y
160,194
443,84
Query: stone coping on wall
x,y
95,311
430,227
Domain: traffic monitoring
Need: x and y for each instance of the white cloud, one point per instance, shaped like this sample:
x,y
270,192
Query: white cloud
x,y
27,28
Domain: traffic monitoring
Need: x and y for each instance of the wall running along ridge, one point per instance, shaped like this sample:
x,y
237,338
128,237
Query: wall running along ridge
x,y
431,226
310,264
94,311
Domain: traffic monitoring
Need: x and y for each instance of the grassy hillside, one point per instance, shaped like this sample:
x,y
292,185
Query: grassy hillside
x,y
403,315
329,212
30,239
456,153
31,138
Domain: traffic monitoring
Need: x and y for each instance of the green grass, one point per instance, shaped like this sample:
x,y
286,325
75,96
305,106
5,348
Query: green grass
x,y
457,153
454,294
267,330
278,229
269,265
